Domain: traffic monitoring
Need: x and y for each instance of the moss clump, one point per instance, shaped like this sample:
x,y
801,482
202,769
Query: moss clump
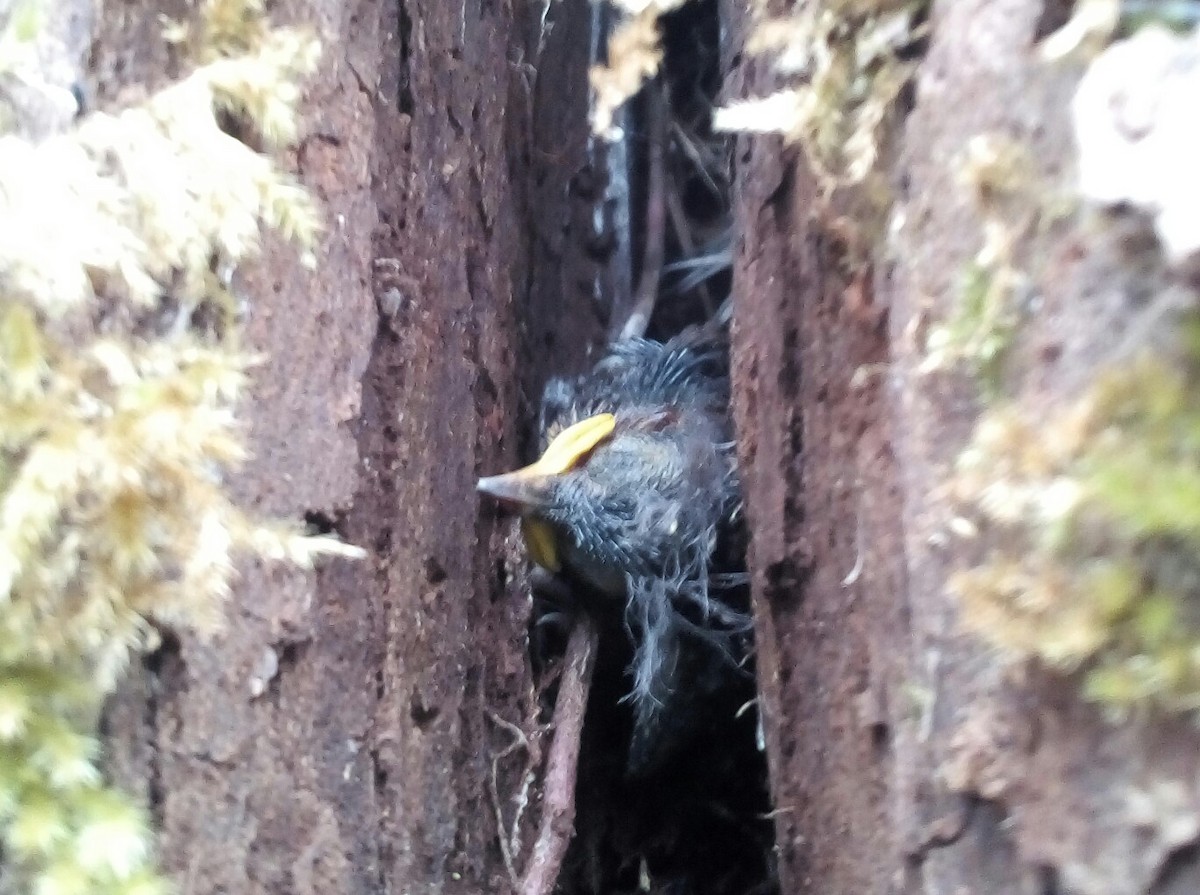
x,y
1000,180
982,324
846,59
1090,522
635,55
120,374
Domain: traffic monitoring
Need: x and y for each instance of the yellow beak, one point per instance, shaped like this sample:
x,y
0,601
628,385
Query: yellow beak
x,y
527,487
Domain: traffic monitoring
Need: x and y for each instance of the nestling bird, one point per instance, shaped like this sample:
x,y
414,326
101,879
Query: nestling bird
x,y
633,501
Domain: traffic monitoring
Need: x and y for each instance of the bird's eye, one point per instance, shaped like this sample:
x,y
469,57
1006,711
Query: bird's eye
x,y
657,421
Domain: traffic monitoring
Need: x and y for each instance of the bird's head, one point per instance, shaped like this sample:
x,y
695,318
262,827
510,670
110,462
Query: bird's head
x,y
626,490
537,490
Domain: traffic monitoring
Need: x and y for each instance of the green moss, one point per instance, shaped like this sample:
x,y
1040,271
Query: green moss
x,y
1178,15
981,328
115,446
1000,180
1090,526
23,26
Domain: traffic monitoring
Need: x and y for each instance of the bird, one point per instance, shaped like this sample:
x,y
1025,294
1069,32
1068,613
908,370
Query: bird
x,y
635,502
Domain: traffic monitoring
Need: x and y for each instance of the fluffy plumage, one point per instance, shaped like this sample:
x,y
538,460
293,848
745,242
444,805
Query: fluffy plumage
x,y
641,518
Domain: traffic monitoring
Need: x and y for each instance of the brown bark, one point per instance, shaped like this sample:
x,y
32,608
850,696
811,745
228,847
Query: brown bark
x,y
874,697
396,375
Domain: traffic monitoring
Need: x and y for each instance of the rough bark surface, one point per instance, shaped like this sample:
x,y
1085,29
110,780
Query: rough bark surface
x,y
339,736
874,699
825,555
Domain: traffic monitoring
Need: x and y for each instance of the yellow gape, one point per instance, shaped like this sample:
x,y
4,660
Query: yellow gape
x,y
563,454
539,541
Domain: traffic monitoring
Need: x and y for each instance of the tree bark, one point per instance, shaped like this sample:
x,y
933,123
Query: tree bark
x,y
337,736
873,694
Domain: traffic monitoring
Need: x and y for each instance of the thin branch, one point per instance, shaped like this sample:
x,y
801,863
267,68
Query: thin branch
x,y
679,223
656,219
558,802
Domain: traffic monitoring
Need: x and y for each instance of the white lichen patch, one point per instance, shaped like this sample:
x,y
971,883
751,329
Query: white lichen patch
x,y
1138,133
43,45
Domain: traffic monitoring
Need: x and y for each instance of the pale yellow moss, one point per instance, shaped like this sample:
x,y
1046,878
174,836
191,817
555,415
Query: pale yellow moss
x,y
634,56
115,446
152,191
844,57
1088,520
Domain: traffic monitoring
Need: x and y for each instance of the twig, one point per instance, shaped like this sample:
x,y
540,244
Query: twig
x,y
656,223
687,142
861,560
683,233
558,801
510,843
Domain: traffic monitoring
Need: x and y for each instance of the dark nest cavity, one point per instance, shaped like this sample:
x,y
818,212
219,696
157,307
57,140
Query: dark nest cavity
x,y
701,822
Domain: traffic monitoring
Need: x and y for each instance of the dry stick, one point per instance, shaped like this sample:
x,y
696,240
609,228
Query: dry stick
x,y
687,142
683,233
656,224
674,135
558,799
